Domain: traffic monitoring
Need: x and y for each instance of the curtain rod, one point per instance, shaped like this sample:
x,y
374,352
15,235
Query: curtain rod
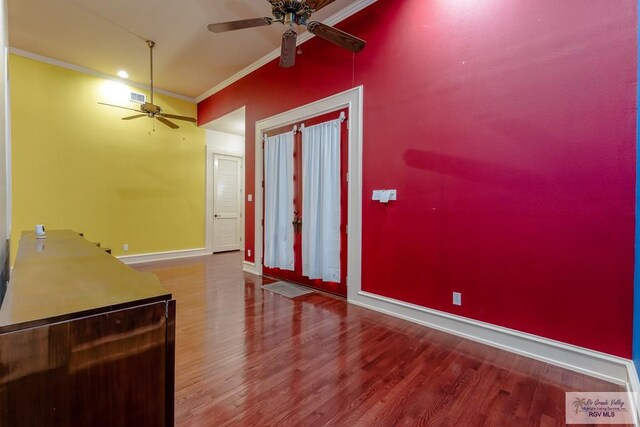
x,y
297,129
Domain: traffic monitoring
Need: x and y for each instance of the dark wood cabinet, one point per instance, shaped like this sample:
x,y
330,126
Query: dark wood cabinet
x,y
66,359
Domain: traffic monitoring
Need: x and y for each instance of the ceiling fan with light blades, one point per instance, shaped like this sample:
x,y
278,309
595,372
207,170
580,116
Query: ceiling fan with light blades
x,y
149,109
291,13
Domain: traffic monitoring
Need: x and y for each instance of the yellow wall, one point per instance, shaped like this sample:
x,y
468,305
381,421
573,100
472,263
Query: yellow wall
x,y
76,165
4,252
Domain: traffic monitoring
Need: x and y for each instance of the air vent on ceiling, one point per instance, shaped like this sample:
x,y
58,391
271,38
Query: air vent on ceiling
x,y
138,97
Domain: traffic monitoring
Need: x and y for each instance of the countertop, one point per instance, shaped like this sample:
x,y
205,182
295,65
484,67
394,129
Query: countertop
x,y
65,276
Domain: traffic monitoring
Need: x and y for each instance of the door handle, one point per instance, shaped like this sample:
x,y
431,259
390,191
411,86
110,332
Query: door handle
x,y
215,216
297,224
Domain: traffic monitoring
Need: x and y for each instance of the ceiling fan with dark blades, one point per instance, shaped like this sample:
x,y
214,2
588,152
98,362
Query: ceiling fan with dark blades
x,y
291,13
149,109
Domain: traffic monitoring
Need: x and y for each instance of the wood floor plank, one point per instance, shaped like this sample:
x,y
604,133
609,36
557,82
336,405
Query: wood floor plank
x,y
245,356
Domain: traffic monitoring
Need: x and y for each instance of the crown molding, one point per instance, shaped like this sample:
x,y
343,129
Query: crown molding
x,y
340,16
89,71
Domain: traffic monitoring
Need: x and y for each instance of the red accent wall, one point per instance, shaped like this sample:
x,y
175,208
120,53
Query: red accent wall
x,y
508,129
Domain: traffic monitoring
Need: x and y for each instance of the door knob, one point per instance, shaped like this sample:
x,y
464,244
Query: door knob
x,y
215,216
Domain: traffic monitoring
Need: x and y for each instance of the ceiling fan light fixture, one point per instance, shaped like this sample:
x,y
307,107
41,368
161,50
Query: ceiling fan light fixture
x,y
122,74
292,13
149,109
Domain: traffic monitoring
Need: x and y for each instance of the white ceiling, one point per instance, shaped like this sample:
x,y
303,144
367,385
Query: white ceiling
x,y
109,35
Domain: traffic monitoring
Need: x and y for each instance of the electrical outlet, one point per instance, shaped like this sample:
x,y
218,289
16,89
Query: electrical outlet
x,y
457,298
125,247
249,253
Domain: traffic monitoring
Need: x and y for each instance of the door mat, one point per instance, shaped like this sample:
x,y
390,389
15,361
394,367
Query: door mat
x,y
288,290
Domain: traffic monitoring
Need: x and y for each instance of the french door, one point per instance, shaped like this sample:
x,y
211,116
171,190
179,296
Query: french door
x,y
309,168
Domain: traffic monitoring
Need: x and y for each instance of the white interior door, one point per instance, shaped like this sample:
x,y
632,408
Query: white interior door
x,y
227,199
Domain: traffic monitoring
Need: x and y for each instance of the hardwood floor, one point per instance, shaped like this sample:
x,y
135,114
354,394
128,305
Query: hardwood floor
x,y
248,357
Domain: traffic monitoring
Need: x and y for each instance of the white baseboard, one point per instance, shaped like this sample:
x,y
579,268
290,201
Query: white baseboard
x,y
162,256
250,267
633,387
593,363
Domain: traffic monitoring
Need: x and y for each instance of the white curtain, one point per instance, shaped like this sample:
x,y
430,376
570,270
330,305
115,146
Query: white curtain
x,y
321,201
278,208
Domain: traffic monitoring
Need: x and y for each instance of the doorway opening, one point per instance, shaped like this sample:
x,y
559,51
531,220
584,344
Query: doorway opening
x,y
225,183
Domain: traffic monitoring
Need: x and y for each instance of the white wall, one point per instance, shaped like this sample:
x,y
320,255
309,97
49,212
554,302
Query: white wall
x,y
225,143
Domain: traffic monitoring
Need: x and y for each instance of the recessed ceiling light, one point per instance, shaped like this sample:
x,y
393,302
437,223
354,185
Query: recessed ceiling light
x,y
122,74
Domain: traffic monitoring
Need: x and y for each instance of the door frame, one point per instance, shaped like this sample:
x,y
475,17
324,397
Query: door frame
x,y
209,188
352,100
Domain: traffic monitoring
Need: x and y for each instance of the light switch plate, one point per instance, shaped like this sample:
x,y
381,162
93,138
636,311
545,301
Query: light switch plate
x,y
377,195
